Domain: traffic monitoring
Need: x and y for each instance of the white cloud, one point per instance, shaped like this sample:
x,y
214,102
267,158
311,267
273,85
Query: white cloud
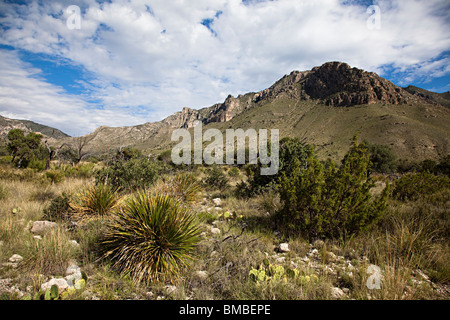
x,y
157,54
24,95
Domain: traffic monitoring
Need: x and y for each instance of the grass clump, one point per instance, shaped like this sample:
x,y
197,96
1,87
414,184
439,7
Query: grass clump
x,y
151,237
96,200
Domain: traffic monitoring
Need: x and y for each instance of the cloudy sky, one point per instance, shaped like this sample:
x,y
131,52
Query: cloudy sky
x,y
120,62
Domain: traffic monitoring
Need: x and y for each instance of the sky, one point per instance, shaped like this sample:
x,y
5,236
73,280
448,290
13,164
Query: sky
x,y
78,65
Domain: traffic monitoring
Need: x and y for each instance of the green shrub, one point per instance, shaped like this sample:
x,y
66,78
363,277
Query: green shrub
x,y
55,176
234,172
59,209
291,151
382,158
216,178
97,200
151,237
323,201
129,175
36,164
413,186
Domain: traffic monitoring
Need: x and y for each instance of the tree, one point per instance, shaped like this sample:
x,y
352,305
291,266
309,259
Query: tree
x,y
23,148
323,201
382,158
291,151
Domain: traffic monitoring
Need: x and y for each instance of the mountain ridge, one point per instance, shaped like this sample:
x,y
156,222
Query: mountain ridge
x,y
326,105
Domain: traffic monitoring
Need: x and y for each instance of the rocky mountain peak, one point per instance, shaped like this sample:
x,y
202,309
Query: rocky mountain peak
x,y
338,84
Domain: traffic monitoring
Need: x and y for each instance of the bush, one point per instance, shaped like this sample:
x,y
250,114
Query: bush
x,y
98,200
129,175
216,178
59,209
413,186
55,176
325,202
291,150
234,172
151,237
382,158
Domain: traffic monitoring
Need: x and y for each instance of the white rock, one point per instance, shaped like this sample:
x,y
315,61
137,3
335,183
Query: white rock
x,y
217,202
284,247
170,290
280,260
215,230
37,237
318,244
337,293
202,275
74,243
41,227
60,283
15,258
331,256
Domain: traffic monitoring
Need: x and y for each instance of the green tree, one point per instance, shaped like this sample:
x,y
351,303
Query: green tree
x,y
382,158
23,148
129,175
323,201
292,150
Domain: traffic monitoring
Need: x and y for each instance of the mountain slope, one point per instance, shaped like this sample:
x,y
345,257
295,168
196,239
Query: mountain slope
x,y
433,97
325,106
7,124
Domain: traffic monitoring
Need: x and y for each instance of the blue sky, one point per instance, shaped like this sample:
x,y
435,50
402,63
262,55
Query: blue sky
x,y
136,61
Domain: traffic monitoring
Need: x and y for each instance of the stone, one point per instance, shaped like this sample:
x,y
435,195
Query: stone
x,y
284,247
217,202
15,258
331,256
170,290
42,227
215,230
337,293
318,244
59,282
74,243
201,275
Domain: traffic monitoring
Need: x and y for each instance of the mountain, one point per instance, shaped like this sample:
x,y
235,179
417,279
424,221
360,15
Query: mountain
x,y
8,124
324,106
432,97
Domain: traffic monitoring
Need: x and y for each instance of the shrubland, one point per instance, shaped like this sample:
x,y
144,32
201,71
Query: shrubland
x,y
139,228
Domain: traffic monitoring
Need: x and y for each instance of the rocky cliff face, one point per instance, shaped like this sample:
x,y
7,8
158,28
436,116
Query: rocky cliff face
x,y
338,84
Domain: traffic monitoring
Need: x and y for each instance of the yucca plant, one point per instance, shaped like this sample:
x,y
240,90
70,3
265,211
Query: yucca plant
x,y
94,201
151,237
184,187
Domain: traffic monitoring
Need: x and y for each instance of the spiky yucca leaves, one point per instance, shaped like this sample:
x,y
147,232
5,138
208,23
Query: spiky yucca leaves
x,y
95,201
184,187
151,237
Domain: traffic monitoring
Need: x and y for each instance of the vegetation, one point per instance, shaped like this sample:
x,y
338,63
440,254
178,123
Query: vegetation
x,y
328,202
138,233
152,237
129,175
